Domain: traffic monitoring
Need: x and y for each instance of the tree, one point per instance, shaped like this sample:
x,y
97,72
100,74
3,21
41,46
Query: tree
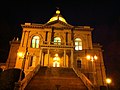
x,y
1,70
9,77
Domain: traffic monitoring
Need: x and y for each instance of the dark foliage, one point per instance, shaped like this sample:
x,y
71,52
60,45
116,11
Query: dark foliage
x,y
1,70
9,77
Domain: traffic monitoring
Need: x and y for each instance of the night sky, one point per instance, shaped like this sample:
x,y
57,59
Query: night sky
x,y
103,16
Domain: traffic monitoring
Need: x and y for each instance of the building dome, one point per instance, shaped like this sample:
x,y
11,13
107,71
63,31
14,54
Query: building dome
x,y
57,16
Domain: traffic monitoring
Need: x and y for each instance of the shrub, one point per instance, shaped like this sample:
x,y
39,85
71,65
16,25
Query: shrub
x,y
9,77
1,70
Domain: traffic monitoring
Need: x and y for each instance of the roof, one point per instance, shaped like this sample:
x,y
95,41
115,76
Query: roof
x,y
58,22
57,16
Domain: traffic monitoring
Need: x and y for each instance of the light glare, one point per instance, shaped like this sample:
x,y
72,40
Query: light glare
x,y
20,54
108,80
88,57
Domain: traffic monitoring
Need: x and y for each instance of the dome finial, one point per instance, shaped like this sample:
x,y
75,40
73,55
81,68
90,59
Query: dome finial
x,y
57,11
57,16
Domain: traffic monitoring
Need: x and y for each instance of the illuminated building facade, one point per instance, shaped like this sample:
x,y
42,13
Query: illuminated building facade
x,y
58,44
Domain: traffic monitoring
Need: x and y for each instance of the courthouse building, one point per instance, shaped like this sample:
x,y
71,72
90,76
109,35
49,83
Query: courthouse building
x,y
57,46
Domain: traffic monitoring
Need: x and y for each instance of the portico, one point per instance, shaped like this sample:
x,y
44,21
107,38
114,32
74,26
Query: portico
x,y
56,57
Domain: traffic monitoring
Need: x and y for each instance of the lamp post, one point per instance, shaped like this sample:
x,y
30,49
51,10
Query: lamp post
x,y
108,81
92,59
20,56
23,56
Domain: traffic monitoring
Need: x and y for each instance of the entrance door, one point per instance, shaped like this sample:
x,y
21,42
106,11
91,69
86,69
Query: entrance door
x,y
56,61
56,64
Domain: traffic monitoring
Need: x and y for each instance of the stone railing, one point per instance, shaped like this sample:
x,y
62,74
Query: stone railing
x,y
22,84
58,43
85,80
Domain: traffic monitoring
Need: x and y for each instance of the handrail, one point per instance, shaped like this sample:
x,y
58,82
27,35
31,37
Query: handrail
x,y
85,80
22,84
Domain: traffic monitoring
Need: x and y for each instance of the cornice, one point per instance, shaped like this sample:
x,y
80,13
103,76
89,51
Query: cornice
x,y
49,25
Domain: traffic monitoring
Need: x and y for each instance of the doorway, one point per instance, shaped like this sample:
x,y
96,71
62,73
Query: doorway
x,y
56,61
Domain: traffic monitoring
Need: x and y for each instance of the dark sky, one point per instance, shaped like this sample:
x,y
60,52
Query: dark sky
x,y
103,16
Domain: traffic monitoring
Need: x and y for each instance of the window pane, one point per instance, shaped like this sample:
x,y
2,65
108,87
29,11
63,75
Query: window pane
x,y
80,47
57,40
35,42
78,44
77,39
33,45
76,48
36,37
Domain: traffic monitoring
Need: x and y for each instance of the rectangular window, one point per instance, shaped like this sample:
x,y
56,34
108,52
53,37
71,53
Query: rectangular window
x,y
66,38
46,36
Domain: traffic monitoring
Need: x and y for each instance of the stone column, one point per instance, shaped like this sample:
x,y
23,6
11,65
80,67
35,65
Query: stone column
x,y
23,38
48,56
40,57
64,58
43,58
71,58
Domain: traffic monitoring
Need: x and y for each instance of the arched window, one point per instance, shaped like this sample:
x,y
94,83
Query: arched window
x,y
35,42
78,44
57,40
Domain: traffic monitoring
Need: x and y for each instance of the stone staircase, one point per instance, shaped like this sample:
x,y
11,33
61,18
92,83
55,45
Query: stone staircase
x,y
55,78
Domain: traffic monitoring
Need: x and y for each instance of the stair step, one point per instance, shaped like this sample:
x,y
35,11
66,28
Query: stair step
x,y
50,78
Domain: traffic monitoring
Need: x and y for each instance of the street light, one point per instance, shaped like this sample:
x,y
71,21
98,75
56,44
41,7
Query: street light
x,y
108,81
23,56
20,54
92,59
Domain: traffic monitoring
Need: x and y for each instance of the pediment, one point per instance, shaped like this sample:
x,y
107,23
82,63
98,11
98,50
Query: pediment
x,y
58,24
